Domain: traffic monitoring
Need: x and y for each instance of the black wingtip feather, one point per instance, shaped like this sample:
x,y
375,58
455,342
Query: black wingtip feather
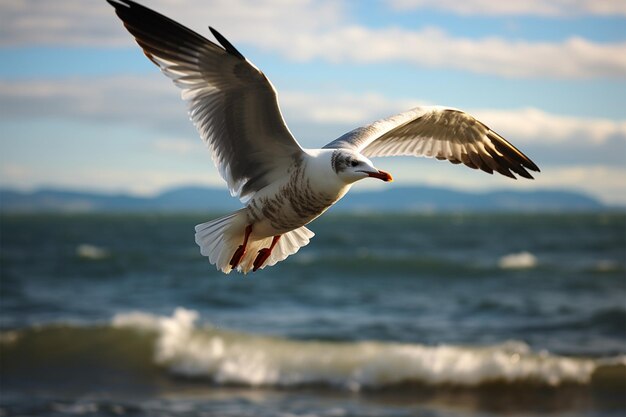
x,y
159,36
227,45
123,3
516,160
506,173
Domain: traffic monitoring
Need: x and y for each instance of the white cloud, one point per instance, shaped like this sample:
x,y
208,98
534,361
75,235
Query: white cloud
x,y
137,100
112,180
604,182
528,125
340,108
551,8
572,58
305,30
532,124
80,22
155,102
180,146
144,182
14,172
573,152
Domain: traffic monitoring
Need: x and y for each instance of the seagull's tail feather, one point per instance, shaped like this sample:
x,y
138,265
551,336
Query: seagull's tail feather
x,y
220,238
288,244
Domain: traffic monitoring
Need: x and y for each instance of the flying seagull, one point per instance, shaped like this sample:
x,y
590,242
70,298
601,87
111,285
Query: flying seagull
x,y
282,185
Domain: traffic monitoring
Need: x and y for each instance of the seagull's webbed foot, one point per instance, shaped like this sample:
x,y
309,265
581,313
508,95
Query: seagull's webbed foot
x,y
241,250
237,256
264,254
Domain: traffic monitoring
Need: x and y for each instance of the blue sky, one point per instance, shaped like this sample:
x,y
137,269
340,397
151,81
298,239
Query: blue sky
x,y
82,108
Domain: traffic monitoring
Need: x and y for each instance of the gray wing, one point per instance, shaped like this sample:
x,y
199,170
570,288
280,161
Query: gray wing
x,y
439,132
231,103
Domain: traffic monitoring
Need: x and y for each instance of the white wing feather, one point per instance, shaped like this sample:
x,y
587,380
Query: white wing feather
x,y
231,103
442,133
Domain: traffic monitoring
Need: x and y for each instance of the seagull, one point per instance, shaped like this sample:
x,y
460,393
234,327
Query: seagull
x,y
282,185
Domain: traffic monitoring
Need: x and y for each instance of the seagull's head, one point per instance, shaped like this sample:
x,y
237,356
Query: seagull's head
x,y
351,166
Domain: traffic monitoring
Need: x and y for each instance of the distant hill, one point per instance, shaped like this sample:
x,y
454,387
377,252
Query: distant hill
x,y
398,199
442,199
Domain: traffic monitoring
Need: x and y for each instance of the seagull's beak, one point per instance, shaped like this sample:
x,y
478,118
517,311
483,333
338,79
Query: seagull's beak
x,y
381,175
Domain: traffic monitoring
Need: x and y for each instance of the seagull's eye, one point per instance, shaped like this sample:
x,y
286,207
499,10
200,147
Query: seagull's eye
x,y
354,163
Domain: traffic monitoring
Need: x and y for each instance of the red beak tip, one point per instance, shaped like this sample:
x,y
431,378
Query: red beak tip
x,y
385,176
381,175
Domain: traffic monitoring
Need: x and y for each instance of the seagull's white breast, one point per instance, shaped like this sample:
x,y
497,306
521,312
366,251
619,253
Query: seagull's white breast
x,y
308,190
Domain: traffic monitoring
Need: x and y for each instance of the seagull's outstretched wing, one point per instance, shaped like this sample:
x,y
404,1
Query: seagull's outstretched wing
x,y
232,104
439,132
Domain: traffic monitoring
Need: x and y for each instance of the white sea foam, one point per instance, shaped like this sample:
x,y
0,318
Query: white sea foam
x,y
519,260
91,252
230,357
8,337
138,319
606,265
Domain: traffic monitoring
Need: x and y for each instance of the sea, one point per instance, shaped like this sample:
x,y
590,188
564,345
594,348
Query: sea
x,y
380,315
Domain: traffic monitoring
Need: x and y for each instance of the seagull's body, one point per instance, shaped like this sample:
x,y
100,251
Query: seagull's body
x,y
282,185
307,190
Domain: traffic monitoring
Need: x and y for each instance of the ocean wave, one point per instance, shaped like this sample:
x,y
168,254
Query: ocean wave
x,y
607,265
521,260
183,348
359,260
91,252
238,358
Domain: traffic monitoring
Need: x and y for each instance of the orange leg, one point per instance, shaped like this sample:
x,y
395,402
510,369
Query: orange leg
x,y
265,253
241,250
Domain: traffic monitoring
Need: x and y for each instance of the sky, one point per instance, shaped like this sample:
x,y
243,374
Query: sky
x,y
82,108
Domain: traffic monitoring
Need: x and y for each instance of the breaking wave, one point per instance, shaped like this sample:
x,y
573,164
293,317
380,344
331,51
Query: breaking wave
x,y
91,252
521,260
256,360
183,348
